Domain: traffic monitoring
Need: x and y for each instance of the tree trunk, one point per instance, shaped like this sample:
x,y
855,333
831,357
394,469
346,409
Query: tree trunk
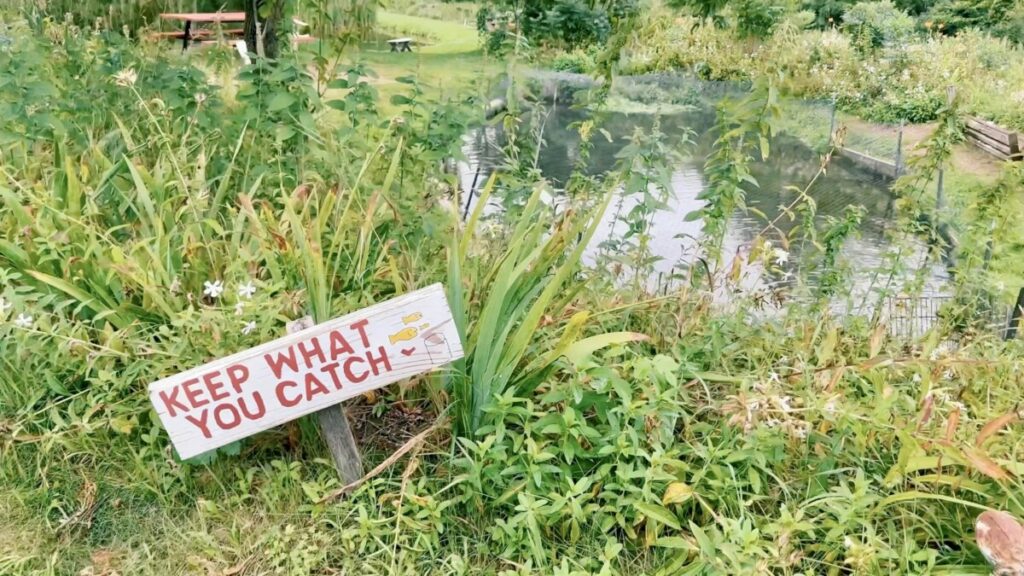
x,y
261,34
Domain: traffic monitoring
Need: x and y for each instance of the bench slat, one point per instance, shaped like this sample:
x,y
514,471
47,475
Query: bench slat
x,y
992,131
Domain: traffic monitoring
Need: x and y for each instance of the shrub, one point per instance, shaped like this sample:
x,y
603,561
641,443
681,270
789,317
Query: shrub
x,y
877,24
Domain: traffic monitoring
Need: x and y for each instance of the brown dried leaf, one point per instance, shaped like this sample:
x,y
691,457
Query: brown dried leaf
x,y
982,463
995,426
877,337
952,423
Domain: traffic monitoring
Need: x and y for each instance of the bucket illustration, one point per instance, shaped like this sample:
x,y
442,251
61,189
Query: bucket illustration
x,y
437,347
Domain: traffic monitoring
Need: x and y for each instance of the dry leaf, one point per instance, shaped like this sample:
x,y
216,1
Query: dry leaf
x,y
985,465
995,426
875,343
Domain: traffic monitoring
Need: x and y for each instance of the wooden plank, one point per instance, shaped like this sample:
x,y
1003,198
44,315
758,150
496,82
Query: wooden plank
x,y
334,428
205,16
876,165
198,34
230,398
982,137
993,151
992,131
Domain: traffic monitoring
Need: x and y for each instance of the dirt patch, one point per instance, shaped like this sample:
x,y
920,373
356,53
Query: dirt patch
x,y
966,159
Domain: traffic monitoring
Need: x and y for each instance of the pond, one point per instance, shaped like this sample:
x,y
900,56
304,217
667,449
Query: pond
x,y
791,164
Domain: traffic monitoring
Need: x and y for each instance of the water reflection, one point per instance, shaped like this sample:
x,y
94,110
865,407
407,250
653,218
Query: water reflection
x,y
673,239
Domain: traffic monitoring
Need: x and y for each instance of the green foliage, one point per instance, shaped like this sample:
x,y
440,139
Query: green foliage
x,y
955,16
877,24
744,127
156,214
565,23
757,18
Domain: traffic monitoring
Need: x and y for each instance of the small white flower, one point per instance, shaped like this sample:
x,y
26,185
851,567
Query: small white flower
x,y
126,77
239,308
847,542
213,288
947,375
916,378
773,376
784,404
200,98
248,328
175,285
4,306
247,290
781,256
772,422
23,321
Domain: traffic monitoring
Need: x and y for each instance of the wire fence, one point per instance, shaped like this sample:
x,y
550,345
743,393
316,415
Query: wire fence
x,y
911,318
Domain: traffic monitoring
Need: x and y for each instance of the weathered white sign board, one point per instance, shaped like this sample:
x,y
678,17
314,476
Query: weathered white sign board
x,y
234,397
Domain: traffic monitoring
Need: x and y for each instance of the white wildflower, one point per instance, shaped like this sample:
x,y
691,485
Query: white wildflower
x,y
780,256
23,321
200,98
847,542
213,288
772,422
916,378
947,375
126,77
175,285
239,308
247,290
248,328
773,376
4,306
784,404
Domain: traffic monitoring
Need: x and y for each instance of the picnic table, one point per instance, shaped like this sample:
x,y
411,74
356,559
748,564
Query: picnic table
x,y
401,44
200,18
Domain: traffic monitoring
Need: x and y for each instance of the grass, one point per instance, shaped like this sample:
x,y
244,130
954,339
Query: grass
x,y
432,36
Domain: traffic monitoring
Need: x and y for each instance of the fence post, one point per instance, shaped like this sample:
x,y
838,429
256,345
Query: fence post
x,y
832,124
1011,327
940,199
899,150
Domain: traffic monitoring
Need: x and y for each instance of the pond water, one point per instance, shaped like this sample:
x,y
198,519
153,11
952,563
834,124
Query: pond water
x,y
673,239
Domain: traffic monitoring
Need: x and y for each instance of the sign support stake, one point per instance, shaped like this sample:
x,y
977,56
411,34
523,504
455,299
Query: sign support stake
x,y
335,429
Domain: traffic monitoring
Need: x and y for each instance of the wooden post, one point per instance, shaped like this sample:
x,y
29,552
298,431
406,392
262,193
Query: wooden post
x,y
335,429
832,124
899,150
1011,327
940,199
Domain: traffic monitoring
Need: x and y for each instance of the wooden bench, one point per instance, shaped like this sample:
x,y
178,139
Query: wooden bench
x,y
401,44
993,139
197,34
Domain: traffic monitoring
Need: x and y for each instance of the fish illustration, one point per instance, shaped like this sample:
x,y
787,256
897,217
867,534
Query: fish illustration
x,y
412,317
403,335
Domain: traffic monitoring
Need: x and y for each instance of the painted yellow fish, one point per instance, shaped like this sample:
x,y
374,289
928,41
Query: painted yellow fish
x,y
412,318
403,335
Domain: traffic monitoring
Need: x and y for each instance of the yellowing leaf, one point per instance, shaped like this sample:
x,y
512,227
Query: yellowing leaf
x,y
677,493
122,425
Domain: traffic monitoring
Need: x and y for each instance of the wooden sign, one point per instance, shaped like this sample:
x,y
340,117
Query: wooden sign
x,y
306,371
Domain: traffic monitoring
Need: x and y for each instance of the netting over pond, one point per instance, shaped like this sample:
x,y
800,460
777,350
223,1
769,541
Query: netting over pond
x,y
877,260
